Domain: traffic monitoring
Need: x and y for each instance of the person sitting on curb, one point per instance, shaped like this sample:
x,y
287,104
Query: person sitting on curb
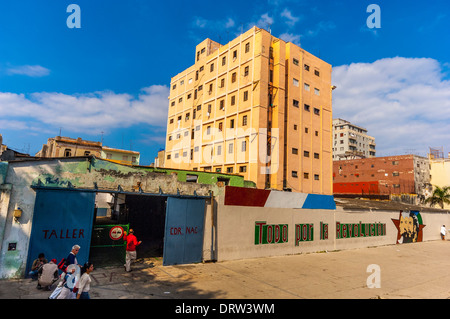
x,y
48,274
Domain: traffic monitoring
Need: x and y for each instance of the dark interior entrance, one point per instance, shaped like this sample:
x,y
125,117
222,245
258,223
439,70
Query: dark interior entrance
x,y
145,214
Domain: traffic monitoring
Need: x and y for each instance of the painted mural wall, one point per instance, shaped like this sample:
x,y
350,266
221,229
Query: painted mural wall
x,y
266,231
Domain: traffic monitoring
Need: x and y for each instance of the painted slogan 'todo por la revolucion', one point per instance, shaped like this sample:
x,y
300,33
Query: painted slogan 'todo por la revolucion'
x,y
278,233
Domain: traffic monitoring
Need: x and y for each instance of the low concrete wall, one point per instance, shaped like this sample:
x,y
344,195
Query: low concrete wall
x,y
250,232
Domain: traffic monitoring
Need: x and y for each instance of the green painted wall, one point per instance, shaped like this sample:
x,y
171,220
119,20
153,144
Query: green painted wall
x,y
3,171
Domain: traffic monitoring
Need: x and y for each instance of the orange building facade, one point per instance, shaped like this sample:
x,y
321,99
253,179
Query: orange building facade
x,y
257,106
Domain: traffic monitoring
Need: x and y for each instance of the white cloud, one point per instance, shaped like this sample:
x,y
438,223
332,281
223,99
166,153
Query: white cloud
x,y
28,70
290,19
83,112
403,102
265,21
321,26
289,37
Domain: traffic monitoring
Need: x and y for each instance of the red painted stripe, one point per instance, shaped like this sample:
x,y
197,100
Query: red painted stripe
x,y
241,196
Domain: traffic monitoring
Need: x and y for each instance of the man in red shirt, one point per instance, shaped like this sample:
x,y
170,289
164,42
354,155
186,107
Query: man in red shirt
x,y
131,248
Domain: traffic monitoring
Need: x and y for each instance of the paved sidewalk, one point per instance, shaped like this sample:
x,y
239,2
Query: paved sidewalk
x,y
419,270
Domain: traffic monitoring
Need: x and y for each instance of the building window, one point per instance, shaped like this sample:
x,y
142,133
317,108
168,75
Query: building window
x,y
211,67
306,175
295,151
222,82
222,104
246,70
224,61
219,150
305,153
109,155
295,61
245,95
295,127
232,123
233,100
306,130
294,174
172,103
316,177
306,67
244,146
244,120
229,170
174,87
394,162
233,77
196,149
67,152
395,174
316,72
306,87
306,107
242,169
230,148
295,82
168,157
234,54
247,47
208,130
316,91
316,155
316,111
295,103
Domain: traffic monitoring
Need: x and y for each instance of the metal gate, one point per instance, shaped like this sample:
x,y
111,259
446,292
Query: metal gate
x,y
61,219
183,238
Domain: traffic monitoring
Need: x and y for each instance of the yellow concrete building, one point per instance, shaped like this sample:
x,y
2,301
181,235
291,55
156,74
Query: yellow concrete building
x,y
257,106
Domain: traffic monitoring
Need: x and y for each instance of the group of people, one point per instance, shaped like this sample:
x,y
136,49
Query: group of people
x,y
75,280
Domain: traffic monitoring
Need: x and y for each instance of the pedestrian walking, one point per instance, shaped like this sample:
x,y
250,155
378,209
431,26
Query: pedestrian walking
x,y
132,243
72,258
443,232
68,284
85,281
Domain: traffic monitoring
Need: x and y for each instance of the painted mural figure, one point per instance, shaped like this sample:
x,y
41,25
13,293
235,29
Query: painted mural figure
x,y
409,225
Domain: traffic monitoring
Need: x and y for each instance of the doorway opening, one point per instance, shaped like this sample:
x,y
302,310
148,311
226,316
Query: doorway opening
x,y
118,212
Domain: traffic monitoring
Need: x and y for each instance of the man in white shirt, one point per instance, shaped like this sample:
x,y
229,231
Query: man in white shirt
x,y
443,231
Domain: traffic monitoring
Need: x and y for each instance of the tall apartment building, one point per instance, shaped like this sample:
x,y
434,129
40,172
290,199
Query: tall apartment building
x,y
351,141
257,106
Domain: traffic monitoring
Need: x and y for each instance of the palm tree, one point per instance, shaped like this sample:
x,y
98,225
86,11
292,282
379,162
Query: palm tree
x,y
439,196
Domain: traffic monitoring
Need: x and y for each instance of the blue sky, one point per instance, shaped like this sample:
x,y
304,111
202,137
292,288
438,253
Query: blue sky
x,y
110,78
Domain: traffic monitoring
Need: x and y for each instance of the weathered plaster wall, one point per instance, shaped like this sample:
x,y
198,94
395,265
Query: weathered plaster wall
x,y
79,173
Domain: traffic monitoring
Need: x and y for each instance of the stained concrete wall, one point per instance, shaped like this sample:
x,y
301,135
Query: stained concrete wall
x,y
81,173
237,228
